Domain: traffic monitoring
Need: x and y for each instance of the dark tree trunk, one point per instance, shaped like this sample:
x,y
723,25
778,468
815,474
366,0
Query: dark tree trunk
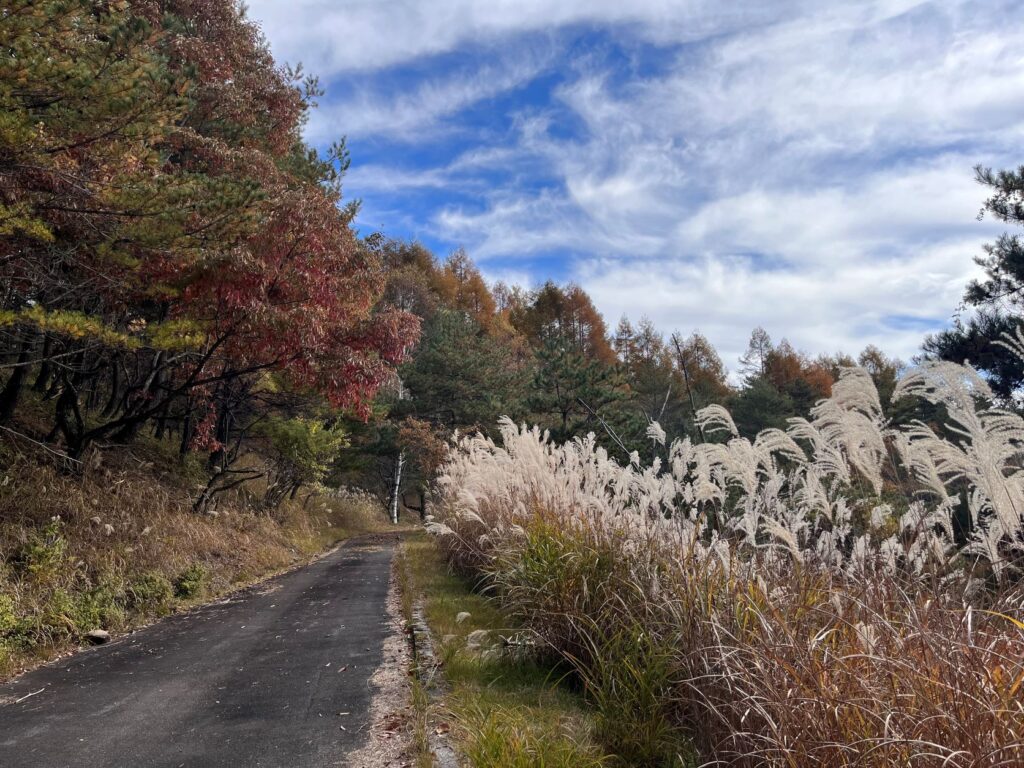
x,y
186,433
69,420
135,413
115,390
222,433
161,422
11,392
46,369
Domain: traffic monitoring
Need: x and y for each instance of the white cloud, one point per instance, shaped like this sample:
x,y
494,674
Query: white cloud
x,y
835,305
833,265
360,35
382,178
882,213
833,139
420,112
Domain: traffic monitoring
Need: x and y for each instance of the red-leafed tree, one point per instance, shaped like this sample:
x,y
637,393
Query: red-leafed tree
x,y
170,238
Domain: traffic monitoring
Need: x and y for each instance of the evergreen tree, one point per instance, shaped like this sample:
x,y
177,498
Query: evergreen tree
x,y
573,393
460,377
998,298
760,405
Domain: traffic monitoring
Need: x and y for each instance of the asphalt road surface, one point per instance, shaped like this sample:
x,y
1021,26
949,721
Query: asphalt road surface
x,y
260,679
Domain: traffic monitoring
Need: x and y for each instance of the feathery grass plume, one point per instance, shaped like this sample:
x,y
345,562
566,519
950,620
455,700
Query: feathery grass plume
x,y
813,611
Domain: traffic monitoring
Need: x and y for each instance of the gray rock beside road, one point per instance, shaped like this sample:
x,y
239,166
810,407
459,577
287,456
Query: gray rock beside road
x,y
97,636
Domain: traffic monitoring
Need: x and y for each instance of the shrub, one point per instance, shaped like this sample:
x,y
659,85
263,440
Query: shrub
x,y
151,592
502,738
8,619
552,578
629,678
191,583
67,615
42,555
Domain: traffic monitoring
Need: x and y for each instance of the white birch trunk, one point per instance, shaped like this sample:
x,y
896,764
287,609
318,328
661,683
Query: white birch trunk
x,y
396,486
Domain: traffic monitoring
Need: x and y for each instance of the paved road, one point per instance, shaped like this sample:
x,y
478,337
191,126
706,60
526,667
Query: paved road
x,y
256,680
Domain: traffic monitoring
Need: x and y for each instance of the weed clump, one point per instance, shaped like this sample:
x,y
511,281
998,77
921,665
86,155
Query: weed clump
x,y
191,583
42,555
503,738
151,592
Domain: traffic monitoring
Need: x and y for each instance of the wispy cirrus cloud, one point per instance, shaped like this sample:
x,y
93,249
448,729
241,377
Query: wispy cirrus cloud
x,y
418,110
800,165
366,35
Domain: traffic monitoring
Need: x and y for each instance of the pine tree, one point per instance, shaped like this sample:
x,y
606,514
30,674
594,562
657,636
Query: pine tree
x,y
998,299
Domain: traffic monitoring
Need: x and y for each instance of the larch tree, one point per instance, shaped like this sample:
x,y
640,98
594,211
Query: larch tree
x,y
754,361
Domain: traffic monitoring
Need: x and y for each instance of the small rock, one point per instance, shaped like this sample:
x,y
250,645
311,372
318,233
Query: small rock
x,y
97,636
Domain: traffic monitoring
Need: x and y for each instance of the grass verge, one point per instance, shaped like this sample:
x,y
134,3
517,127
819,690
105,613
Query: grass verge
x,y
506,708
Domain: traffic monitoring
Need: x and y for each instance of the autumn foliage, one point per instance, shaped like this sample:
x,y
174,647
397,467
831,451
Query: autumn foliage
x,y
166,236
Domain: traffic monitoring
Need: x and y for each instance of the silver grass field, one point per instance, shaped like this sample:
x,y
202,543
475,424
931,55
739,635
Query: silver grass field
x,y
842,593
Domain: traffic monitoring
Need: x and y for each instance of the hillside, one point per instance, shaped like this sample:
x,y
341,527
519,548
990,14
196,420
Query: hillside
x,y
116,543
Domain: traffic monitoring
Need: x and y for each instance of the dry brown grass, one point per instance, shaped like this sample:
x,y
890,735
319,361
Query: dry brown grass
x,y
798,668
119,544
757,649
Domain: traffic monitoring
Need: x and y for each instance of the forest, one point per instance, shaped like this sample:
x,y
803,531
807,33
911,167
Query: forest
x,y
176,260
805,560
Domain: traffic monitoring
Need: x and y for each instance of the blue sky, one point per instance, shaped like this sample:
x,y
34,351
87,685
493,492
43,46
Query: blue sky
x,y
804,166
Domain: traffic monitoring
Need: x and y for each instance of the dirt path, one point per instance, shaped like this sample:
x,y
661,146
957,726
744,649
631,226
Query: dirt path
x,y
275,676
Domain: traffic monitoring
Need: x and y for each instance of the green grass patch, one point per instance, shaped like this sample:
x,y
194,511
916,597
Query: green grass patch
x,y
509,708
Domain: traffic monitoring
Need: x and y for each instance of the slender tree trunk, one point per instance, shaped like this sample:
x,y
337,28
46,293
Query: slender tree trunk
x,y
11,392
69,420
128,432
396,484
689,391
46,369
186,431
115,390
54,389
161,422
222,432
